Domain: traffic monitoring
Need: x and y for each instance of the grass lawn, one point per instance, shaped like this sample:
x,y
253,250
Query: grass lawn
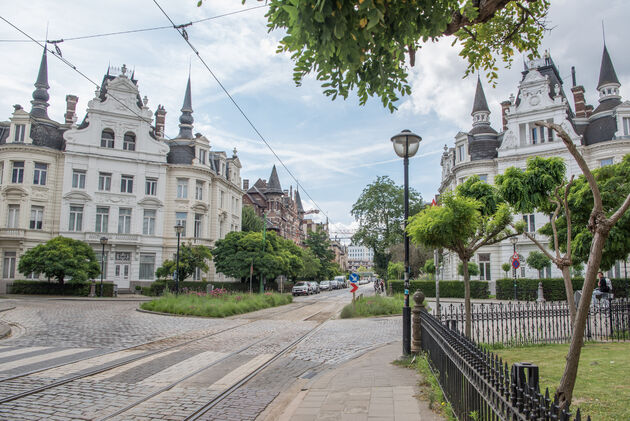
x,y
377,305
602,389
219,303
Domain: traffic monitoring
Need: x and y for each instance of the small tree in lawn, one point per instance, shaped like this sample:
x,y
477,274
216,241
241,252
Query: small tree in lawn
x,y
465,221
60,258
190,258
395,270
506,268
539,261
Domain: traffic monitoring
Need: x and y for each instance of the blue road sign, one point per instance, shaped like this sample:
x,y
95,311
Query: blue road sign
x,y
515,263
354,278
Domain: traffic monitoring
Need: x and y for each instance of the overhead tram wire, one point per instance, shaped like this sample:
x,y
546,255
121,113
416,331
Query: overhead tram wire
x,y
184,35
131,31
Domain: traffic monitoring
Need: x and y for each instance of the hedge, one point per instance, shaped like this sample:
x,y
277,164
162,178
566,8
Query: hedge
x,y
553,288
55,288
448,289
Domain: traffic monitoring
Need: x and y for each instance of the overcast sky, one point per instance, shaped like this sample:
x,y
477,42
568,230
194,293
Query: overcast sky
x,y
334,148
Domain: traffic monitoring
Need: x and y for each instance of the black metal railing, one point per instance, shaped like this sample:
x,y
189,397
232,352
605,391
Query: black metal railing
x,y
525,323
479,385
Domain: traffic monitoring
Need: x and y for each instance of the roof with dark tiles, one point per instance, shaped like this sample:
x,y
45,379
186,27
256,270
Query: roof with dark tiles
x,y
180,153
606,71
600,130
480,103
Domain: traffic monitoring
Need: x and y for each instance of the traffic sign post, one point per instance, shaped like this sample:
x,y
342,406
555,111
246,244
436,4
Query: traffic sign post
x,y
516,263
354,278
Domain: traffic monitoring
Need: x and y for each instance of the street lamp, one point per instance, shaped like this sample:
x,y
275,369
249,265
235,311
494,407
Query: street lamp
x,y
103,243
406,145
179,229
514,240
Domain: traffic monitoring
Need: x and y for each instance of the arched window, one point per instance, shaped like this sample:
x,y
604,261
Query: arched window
x,y
107,138
129,143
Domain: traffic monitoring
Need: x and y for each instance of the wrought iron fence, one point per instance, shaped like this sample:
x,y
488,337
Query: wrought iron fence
x,y
524,323
479,385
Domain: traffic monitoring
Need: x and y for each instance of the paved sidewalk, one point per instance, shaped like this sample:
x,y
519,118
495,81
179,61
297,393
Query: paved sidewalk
x,y
368,388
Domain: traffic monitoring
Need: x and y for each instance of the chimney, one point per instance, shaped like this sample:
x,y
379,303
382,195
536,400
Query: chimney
x,y
160,121
505,105
578,99
245,185
589,111
71,106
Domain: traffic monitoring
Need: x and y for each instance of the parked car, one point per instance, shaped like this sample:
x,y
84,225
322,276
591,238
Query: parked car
x,y
302,288
315,287
325,286
341,280
333,284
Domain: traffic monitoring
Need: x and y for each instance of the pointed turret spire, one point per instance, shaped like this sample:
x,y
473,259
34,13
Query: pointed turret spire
x,y
480,111
186,119
40,94
480,103
273,186
608,85
298,201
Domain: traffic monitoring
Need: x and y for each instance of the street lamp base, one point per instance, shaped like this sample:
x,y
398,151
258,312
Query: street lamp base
x,y
406,330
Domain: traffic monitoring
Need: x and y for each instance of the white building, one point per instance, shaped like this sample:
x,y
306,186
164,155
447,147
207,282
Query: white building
x,y
360,256
114,175
602,136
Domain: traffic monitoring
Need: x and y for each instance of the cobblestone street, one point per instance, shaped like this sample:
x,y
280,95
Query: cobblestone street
x,y
96,359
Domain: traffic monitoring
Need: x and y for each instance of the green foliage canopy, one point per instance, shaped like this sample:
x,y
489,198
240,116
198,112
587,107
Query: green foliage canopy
x,y
251,221
59,258
319,243
473,269
538,261
395,270
190,258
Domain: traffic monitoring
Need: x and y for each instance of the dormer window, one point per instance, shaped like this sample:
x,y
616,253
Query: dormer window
x,y
461,153
107,139
20,129
626,126
202,156
129,142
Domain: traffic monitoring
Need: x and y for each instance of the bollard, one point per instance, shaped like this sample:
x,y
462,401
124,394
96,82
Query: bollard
x,y
541,297
416,342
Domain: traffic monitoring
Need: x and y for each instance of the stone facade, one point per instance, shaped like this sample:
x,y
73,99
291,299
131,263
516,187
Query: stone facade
x,y
602,136
114,176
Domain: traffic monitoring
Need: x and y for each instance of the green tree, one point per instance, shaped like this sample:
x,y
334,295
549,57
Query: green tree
x,y
577,269
429,268
319,243
473,269
364,45
539,261
311,266
190,258
380,212
543,187
466,220
395,270
506,268
60,258
251,221
292,256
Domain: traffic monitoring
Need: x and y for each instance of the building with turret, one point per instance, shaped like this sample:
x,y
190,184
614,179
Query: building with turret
x,y
114,176
601,134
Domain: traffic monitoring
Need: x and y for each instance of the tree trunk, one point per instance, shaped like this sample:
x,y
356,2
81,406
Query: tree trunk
x,y
567,383
467,298
568,287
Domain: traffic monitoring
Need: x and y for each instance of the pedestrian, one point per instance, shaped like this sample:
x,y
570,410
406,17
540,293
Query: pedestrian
x,y
604,287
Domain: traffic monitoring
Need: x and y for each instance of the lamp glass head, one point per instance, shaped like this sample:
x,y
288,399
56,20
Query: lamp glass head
x,y
103,240
513,240
406,143
179,228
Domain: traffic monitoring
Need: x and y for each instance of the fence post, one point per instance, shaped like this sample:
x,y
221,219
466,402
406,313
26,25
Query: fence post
x,y
416,343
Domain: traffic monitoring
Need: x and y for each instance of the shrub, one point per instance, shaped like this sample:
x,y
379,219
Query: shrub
x,y
55,288
553,288
373,306
448,289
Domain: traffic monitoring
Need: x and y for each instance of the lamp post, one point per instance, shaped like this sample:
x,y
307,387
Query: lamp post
x,y
103,243
514,240
179,228
406,145
264,240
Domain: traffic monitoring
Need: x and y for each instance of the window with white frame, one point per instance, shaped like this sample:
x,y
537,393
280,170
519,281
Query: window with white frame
x,y
461,152
197,274
129,141
107,138
148,222
13,216
102,219
1,171
8,264
180,219
104,181
37,217
20,130
198,222
124,220
147,267
126,184
78,179
550,133
534,135
75,221
182,188
18,172
483,177
222,199
150,187
199,190
530,223
202,155
40,173
484,267
626,126
606,161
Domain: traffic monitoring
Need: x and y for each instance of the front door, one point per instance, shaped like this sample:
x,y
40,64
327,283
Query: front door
x,y
122,269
